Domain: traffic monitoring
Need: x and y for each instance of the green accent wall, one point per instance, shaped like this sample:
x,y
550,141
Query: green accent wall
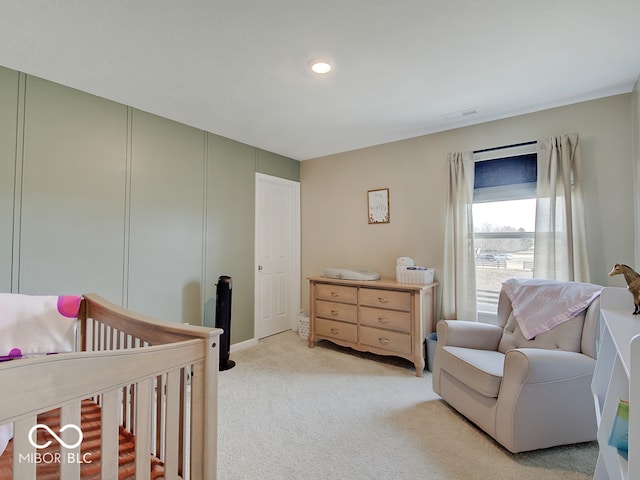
x,y
166,219
98,196
230,230
277,166
9,81
73,193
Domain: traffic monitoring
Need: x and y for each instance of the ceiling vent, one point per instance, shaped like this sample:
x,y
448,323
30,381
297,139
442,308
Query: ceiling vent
x,y
462,113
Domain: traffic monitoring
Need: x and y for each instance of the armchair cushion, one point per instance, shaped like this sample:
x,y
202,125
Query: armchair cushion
x,y
565,336
480,370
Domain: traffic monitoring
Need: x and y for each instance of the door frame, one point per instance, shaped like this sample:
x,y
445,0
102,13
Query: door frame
x,y
294,283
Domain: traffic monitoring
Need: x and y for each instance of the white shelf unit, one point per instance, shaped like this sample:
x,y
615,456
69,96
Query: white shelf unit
x,y
617,376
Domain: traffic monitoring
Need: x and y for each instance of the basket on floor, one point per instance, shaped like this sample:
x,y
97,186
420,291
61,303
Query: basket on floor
x,y
303,326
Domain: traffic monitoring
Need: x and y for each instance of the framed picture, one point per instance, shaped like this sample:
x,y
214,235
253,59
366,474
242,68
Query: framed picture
x,y
378,201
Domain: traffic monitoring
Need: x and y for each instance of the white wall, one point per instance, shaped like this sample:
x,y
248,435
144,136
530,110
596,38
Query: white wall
x,y
335,231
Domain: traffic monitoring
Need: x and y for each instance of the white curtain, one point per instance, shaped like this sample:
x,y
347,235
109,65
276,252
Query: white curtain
x,y
560,238
459,276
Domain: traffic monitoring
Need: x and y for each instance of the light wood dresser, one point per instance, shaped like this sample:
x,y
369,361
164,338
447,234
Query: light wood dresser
x,y
384,316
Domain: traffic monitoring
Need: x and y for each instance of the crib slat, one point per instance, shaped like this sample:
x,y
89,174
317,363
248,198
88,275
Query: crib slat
x,y
172,425
108,334
131,409
87,335
159,424
109,435
70,465
143,429
198,424
98,339
183,459
24,470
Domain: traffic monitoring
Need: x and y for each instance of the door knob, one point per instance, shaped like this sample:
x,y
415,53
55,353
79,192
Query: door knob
x,y
259,267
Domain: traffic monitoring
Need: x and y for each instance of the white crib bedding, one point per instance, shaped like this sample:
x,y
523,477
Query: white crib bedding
x,y
32,324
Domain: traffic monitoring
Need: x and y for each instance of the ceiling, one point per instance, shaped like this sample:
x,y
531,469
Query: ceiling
x,y
402,68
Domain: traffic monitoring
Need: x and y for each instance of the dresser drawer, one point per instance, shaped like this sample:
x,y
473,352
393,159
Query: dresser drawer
x,y
338,330
337,293
387,319
394,342
373,297
337,311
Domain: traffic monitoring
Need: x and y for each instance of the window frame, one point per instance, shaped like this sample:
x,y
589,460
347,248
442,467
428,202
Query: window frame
x,y
499,194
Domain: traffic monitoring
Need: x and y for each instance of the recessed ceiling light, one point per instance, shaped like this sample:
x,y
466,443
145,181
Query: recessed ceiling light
x,y
320,67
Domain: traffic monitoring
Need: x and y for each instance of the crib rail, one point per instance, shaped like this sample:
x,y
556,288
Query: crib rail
x,y
158,380
112,324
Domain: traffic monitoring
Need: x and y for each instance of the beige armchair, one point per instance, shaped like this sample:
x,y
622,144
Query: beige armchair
x,y
526,394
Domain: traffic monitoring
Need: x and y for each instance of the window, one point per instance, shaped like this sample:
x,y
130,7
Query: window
x,y
504,210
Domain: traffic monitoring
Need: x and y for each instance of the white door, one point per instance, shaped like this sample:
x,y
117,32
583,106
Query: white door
x,y
277,280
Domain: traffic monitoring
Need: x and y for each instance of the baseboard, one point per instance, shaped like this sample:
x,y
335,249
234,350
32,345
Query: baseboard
x,y
252,342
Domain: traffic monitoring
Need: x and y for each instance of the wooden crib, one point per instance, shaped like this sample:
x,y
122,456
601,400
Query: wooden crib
x,y
149,388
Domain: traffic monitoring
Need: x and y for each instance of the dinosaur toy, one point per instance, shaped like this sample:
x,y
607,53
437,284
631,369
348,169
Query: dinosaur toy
x,y
633,282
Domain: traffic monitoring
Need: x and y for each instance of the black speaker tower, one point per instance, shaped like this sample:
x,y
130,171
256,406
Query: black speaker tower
x,y
223,320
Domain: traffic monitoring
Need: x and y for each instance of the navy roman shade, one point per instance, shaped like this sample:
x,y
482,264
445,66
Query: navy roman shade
x,y
507,178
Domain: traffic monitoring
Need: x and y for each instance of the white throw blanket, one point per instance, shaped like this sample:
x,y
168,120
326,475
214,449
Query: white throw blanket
x,y
539,305
33,324
6,434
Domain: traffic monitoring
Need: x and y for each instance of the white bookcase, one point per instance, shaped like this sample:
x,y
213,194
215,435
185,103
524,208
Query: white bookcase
x,y
617,376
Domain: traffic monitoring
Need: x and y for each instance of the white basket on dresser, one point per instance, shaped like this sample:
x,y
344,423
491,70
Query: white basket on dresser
x,y
414,274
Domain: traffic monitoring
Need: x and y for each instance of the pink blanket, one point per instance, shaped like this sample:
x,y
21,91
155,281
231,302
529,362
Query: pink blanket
x,y
539,305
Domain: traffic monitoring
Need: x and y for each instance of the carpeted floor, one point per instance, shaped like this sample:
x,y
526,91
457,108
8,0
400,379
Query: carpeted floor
x,y
290,412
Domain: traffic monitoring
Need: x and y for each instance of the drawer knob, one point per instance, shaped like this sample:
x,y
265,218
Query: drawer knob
x,y
383,320
383,341
335,313
383,299
335,331
335,294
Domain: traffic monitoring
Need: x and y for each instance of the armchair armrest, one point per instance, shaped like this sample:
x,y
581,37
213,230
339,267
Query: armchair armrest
x,y
463,333
545,399
536,365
